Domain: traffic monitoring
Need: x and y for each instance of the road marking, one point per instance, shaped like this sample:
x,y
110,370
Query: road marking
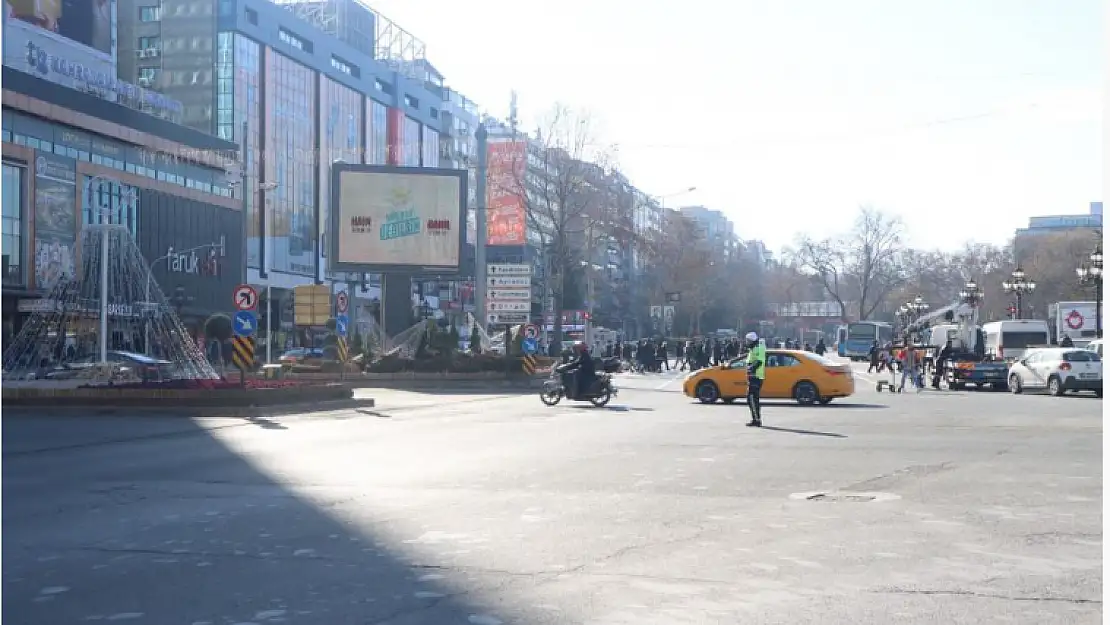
x,y
680,374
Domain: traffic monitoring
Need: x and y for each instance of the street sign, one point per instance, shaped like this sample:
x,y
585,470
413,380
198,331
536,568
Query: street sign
x,y
508,270
507,318
531,332
528,363
341,303
509,307
311,304
242,352
245,323
529,346
512,282
341,349
341,325
245,298
523,295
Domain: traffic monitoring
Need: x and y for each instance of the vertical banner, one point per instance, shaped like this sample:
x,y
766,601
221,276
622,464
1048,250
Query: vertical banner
x,y
505,219
55,218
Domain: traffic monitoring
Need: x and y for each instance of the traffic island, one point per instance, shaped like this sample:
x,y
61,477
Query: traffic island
x,y
192,399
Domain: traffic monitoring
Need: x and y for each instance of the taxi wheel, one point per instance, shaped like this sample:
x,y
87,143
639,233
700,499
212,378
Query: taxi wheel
x,y
805,393
825,401
708,392
728,400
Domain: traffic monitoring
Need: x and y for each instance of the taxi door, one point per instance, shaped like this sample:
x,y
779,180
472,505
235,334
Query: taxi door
x,y
783,371
733,379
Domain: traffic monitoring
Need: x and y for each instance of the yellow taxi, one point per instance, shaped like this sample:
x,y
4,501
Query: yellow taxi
x,y
791,374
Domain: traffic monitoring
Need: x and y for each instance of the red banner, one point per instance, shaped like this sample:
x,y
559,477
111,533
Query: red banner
x,y
505,219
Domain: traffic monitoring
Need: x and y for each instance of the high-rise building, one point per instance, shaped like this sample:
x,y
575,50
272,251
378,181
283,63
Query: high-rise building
x,y
301,84
716,227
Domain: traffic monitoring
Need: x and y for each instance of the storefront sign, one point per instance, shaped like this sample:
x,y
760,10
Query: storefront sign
x,y
194,262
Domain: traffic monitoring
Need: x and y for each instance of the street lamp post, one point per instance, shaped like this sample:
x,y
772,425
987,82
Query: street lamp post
x,y
1018,285
1089,274
971,294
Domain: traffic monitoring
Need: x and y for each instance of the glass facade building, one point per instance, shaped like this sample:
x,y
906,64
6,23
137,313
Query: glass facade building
x,y
410,143
238,100
341,139
290,163
377,135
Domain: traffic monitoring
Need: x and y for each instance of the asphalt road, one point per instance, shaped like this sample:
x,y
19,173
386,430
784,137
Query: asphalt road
x,y
439,509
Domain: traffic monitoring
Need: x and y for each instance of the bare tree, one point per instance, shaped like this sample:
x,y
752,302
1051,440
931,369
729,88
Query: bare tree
x,y
861,267
558,185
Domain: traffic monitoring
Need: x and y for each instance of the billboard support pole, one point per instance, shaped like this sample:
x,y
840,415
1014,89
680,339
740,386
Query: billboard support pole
x,y
481,233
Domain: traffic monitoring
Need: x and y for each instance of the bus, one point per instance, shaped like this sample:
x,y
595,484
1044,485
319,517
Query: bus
x,y
841,341
862,334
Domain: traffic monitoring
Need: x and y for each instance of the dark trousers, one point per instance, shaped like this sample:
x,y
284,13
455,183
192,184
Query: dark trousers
x,y
755,385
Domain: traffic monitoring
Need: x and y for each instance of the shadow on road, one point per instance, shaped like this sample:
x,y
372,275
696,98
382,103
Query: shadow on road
x,y
805,432
176,527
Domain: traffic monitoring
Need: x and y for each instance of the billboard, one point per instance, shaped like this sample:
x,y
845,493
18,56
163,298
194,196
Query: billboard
x,y
91,23
397,218
505,217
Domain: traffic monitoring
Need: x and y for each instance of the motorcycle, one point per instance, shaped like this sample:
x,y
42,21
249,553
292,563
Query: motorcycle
x,y
556,388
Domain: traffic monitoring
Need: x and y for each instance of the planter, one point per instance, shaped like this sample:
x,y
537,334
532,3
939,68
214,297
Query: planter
x,y
176,398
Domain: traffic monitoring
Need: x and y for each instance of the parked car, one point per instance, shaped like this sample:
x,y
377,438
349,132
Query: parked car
x,y
791,374
303,356
1096,347
1057,370
123,364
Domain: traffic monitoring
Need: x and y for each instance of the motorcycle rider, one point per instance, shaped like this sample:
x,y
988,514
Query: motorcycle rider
x,y
757,371
583,369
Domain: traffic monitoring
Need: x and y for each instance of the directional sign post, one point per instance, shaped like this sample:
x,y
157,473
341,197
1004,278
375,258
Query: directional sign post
x,y
242,356
529,346
341,323
531,332
245,298
341,303
245,323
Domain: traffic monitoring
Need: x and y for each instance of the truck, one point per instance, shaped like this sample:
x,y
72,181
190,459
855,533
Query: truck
x,y
1077,320
969,364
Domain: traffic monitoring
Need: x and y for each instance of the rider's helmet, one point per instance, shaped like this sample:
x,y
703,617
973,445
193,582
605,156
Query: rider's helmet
x,y
752,338
580,347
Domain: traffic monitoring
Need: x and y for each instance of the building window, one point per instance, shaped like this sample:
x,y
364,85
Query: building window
x,y
111,201
412,102
290,39
252,16
12,190
150,14
149,43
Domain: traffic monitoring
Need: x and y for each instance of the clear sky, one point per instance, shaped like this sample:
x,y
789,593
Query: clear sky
x,y
964,117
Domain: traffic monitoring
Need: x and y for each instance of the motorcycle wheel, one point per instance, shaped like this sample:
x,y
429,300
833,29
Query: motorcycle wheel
x,y
600,400
550,397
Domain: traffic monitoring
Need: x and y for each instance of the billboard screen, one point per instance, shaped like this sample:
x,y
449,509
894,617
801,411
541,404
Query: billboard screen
x,y
505,217
90,23
397,218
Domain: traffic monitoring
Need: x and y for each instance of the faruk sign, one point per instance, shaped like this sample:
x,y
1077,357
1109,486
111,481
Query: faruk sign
x,y
205,263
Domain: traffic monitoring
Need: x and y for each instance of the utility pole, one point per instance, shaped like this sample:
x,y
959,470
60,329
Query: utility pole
x,y
480,235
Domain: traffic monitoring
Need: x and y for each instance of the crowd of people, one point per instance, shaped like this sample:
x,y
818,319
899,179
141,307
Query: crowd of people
x,y
656,355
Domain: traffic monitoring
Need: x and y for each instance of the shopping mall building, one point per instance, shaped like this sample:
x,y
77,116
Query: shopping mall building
x,y
81,146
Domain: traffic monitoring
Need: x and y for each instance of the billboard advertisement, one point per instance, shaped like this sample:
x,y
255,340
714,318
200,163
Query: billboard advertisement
x,y
55,218
90,23
505,217
397,218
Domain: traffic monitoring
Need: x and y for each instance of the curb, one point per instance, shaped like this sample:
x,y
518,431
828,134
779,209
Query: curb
x,y
215,412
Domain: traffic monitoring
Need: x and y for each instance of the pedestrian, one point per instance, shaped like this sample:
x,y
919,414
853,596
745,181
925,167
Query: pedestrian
x,y
909,368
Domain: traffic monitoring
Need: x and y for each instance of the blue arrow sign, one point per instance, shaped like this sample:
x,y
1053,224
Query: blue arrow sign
x,y
341,325
529,346
245,323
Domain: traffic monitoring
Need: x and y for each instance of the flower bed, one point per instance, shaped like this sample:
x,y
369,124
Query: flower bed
x,y
208,385
456,363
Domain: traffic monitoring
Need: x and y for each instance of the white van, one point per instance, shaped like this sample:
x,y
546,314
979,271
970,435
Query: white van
x,y
1008,340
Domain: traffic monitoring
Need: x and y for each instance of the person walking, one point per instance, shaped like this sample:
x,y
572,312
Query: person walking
x,y
757,371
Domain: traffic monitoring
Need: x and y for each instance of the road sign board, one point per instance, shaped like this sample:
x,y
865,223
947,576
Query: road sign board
x,y
242,352
531,332
523,295
529,346
245,298
341,323
508,270
512,282
245,323
341,348
509,307
507,318
341,302
528,363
